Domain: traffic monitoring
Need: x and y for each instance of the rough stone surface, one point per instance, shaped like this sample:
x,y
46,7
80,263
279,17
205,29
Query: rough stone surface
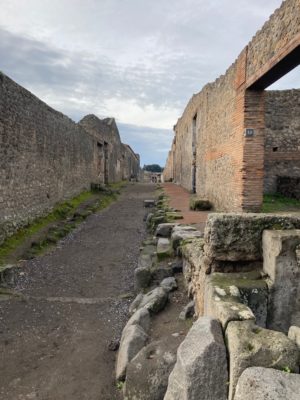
x,y
266,383
282,264
133,340
238,237
164,230
155,300
135,304
236,296
142,278
188,311
169,284
194,271
178,235
294,334
46,158
161,271
249,345
201,368
164,249
148,373
140,317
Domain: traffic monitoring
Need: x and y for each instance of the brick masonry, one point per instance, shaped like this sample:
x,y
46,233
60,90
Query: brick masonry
x,y
45,157
229,166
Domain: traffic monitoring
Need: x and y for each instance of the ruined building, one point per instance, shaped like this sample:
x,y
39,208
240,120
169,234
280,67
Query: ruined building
x,y
236,140
45,157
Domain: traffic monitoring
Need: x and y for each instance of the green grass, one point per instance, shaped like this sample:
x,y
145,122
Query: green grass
x,y
273,203
60,213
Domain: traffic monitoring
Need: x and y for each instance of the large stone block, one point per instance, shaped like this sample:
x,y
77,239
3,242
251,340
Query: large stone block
x,y
133,340
238,237
281,251
164,248
236,297
164,230
148,373
249,345
181,233
200,371
267,383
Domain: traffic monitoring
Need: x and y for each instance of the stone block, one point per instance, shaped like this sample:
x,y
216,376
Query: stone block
x,y
180,234
149,203
294,334
154,301
281,251
249,345
236,296
200,371
164,230
142,278
169,284
266,383
238,237
164,248
148,373
133,340
140,317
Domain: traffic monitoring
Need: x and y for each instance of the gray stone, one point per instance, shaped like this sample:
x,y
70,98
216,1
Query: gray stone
x,y
135,304
201,368
142,278
236,296
238,237
281,251
133,340
161,271
267,383
184,233
188,311
155,300
147,374
294,334
149,203
164,230
249,345
169,284
164,249
140,317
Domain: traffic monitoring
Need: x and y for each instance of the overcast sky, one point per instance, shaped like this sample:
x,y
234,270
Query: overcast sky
x,y
136,60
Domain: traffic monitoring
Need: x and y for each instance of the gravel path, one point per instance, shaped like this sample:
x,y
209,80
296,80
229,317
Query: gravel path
x,y
54,339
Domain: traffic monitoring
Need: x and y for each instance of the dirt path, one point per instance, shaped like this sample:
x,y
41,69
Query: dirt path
x,y
54,340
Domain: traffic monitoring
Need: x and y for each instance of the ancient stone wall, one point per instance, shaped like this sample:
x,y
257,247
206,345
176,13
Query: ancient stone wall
x,y
45,157
229,119
282,137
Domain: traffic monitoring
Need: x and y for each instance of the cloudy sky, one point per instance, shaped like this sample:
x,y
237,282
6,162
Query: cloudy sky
x,y
136,60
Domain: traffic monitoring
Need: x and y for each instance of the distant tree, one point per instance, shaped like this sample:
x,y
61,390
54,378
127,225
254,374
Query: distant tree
x,y
153,168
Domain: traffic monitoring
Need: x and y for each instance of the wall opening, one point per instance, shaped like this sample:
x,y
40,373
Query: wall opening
x,y
106,162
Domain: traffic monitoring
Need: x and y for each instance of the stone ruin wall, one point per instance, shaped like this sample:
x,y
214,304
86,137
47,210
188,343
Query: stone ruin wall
x,y
282,137
230,167
46,158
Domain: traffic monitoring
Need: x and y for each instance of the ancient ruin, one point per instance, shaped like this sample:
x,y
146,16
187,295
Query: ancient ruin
x,y
232,141
46,157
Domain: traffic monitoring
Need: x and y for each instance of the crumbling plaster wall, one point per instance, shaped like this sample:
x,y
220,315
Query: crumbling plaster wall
x,y
230,166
